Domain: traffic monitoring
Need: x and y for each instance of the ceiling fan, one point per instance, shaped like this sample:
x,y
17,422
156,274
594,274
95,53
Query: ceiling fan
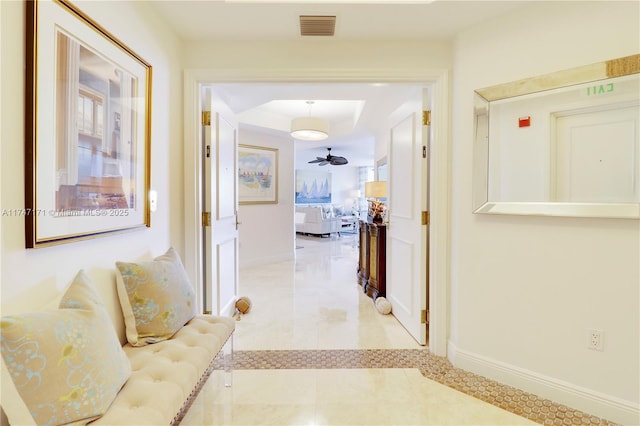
x,y
330,159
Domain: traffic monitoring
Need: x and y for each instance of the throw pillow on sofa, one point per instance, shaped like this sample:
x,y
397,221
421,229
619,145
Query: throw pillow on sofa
x,y
67,365
156,296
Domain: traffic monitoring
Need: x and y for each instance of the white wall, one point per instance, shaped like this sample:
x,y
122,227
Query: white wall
x,y
525,289
267,230
301,57
32,277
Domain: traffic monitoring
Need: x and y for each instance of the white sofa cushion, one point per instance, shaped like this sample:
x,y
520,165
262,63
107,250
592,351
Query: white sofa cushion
x,y
157,298
317,220
67,364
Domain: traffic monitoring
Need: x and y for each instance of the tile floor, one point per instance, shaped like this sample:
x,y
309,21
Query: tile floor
x,y
314,351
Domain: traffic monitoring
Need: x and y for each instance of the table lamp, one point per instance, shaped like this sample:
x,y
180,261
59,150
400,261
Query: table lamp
x,y
375,190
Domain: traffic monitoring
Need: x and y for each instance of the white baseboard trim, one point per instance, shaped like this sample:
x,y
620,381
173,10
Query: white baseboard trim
x,y
574,396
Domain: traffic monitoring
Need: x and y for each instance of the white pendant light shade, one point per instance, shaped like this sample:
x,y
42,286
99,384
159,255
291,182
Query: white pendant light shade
x,y
309,129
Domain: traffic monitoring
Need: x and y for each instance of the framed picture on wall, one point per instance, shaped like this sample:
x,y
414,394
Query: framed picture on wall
x,y
313,187
88,100
257,175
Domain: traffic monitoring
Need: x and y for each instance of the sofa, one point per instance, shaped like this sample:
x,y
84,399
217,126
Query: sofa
x,y
136,357
317,220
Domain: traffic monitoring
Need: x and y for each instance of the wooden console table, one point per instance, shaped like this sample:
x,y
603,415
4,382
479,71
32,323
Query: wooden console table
x,y
372,269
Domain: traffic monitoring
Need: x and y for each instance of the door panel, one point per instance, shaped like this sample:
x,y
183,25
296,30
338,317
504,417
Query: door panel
x,y
221,201
402,145
227,254
403,251
226,162
407,257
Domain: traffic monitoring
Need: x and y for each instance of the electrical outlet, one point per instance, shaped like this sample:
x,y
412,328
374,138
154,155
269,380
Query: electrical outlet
x,y
595,339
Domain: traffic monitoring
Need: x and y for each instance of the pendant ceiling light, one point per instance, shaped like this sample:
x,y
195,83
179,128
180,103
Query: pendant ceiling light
x,y
309,128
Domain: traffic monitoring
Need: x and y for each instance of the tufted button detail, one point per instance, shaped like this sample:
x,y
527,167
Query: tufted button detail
x,y
158,368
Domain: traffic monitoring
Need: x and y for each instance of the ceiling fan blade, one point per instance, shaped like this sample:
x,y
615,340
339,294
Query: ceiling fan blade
x,y
330,159
339,161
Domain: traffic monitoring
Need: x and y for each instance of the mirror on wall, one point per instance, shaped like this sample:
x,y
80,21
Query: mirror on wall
x,y
562,144
382,169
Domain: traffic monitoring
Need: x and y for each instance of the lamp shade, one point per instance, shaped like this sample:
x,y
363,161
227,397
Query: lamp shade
x,y
375,189
309,129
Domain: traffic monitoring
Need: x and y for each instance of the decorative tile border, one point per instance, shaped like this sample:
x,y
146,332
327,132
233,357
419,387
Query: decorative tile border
x,y
438,369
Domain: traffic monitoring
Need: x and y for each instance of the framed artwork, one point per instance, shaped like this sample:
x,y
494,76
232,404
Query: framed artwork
x,y
313,187
257,175
88,124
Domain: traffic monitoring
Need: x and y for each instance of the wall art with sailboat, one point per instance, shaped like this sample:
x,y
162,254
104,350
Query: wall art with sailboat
x,y
257,175
313,187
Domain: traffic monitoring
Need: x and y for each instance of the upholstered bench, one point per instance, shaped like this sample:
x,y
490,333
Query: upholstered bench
x,y
71,365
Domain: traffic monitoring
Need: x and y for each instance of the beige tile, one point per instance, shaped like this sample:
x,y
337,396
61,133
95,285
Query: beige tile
x,y
338,397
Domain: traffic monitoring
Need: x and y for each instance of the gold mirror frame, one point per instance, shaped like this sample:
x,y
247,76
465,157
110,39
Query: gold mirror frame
x,y
482,104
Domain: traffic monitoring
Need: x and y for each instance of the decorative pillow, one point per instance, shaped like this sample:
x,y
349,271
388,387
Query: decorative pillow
x,y
67,365
157,298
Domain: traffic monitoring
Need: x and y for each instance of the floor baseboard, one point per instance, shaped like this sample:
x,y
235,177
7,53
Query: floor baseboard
x,y
605,406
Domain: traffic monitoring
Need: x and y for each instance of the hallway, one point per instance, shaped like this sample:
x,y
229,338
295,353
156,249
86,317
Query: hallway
x,y
314,351
315,303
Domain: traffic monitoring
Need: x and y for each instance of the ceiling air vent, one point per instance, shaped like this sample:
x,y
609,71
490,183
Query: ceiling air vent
x,y
317,25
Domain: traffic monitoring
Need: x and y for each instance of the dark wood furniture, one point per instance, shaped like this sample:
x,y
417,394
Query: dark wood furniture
x,y
372,268
363,260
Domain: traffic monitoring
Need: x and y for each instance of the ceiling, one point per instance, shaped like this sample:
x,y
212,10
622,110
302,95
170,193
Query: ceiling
x,y
277,20
353,110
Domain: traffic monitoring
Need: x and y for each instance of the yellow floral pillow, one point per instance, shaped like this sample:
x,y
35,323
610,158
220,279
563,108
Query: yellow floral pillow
x,y
157,298
68,364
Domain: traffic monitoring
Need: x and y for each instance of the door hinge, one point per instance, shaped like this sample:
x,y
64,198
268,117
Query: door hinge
x,y
426,217
424,151
424,316
426,118
206,118
206,218
208,151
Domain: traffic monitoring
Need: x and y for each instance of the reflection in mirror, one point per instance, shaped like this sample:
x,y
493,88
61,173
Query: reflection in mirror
x,y
381,169
565,144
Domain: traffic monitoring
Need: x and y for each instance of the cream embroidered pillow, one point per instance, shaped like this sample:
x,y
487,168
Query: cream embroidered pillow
x,y
67,365
156,296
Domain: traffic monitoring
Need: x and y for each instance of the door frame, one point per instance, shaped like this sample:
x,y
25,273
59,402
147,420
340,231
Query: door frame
x,y
439,169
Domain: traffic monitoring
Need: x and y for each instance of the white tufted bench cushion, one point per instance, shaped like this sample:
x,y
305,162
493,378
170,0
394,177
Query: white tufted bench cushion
x,y
165,376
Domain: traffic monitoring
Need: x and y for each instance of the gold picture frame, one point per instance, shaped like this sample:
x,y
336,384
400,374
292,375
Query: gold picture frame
x,y
88,128
257,175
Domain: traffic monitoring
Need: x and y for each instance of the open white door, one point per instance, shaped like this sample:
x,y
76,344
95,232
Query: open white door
x,y
220,203
407,234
